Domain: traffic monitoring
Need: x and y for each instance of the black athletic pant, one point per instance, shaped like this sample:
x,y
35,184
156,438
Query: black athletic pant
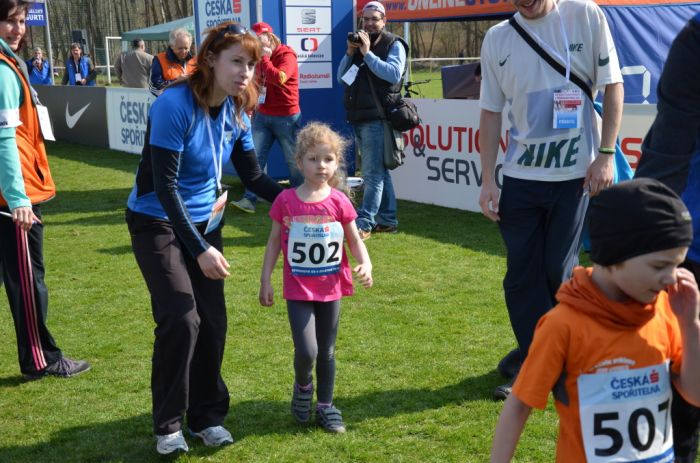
x,y
314,329
21,254
190,315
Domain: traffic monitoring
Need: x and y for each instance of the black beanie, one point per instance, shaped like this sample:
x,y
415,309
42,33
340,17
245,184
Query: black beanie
x,y
637,217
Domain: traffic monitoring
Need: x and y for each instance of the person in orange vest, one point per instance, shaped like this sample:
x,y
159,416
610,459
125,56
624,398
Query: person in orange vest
x,y
25,184
175,62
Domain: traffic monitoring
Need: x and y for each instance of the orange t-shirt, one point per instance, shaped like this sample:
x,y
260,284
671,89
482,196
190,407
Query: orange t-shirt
x,y
569,341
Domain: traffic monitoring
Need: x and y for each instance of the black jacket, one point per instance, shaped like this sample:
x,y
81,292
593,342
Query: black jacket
x,y
359,103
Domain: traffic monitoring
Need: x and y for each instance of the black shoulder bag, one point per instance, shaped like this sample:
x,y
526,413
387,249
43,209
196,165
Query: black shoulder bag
x,y
393,140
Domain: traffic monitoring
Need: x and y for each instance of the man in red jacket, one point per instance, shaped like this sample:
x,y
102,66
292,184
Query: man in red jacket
x,y
278,116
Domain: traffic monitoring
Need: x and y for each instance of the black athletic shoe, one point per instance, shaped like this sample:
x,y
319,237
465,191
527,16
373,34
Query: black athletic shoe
x,y
503,391
62,368
509,366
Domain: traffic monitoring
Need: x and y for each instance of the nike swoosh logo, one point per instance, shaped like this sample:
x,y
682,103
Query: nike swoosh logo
x,y
501,63
602,62
72,119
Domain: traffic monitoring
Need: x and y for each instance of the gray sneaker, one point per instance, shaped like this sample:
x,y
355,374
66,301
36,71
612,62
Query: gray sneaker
x,y
62,368
214,436
330,419
301,403
168,444
245,204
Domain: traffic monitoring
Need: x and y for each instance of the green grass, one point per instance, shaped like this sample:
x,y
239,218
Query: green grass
x,y
415,354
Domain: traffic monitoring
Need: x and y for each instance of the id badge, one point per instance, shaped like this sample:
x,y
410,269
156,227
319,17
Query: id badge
x,y
568,107
45,122
261,96
217,213
78,77
351,74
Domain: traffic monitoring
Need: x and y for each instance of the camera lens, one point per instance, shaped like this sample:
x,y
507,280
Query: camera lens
x,y
353,37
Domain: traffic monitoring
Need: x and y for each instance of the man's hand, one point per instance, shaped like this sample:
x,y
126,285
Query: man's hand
x,y
364,42
488,200
599,174
352,48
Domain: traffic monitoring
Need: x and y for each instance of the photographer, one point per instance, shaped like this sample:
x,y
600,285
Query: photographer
x,y
39,69
380,56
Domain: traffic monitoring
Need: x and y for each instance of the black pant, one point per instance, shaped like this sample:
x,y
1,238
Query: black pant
x,y
21,254
190,315
541,227
684,416
314,330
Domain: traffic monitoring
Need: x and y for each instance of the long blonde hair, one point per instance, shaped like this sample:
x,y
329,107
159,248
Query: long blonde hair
x,y
201,81
318,133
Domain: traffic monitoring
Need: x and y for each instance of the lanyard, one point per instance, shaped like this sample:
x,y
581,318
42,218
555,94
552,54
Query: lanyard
x,y
217,155
549,48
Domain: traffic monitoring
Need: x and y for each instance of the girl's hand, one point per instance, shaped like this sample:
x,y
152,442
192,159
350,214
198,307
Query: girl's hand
x,y
364,273
213,264
266,294
24,217
685,298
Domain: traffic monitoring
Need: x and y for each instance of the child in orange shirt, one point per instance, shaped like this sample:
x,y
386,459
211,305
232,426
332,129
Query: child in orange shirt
x,y
622,332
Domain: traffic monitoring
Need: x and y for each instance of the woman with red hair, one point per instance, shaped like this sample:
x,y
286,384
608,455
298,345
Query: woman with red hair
x,y
174,215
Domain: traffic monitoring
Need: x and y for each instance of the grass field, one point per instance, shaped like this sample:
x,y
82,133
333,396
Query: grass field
x,y
415,354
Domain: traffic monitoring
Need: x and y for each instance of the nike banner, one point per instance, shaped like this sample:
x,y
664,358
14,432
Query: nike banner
x,y
78,114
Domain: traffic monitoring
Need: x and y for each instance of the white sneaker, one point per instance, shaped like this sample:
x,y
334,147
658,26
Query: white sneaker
x,y
171,443
245,204
214,436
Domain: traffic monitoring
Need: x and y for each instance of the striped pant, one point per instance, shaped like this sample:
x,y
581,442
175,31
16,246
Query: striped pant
x,y
21,254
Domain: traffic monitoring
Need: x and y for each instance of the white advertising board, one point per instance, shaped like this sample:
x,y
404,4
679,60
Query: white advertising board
x,y
442,155
127,116
209,13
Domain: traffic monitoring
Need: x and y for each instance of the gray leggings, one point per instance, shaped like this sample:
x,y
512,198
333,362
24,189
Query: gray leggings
x,y
314,329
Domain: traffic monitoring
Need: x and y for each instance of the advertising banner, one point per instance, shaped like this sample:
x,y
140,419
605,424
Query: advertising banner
x,y
78,114
209,13
442,164
309,28
127,115
36,15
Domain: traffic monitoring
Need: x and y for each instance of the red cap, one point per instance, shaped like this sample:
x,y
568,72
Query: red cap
x,y
261,28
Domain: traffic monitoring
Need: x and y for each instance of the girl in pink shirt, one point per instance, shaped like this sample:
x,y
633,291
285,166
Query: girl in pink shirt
x,y
309,225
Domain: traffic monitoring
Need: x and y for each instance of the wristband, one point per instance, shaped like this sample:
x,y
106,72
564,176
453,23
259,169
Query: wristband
x,y
606,150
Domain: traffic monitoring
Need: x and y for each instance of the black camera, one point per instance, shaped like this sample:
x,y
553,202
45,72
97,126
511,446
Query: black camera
x,y
354,37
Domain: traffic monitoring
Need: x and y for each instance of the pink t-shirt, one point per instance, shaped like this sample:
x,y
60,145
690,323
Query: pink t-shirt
x,y
315,262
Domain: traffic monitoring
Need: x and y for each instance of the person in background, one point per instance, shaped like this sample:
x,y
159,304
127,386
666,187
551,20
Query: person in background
x,y
173,63
25,184
552,165
671,154
133,68
174,215
79,68
379,56
277,116
39,69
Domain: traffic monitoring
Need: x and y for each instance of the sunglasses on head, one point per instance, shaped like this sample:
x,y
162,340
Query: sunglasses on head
x,y
235,29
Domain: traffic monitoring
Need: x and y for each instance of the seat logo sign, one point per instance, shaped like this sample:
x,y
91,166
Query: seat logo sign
x,y
308,16
309,44
72,119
